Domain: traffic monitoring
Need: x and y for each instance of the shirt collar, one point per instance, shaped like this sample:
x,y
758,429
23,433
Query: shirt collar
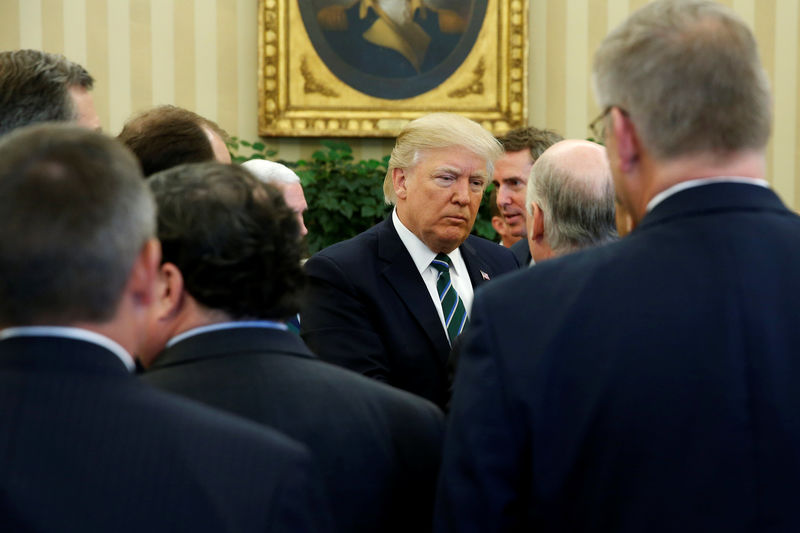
x,y
682,186
72,333
265,324
419,251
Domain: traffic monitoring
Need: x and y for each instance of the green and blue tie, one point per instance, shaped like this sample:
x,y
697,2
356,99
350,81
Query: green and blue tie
x,y
455,314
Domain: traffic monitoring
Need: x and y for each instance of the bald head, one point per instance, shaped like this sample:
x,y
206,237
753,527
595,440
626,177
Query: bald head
x,y
570,199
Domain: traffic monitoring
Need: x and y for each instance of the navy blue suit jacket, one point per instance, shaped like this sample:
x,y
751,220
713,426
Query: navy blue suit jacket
x,y
522,251
368,309
85,446
647,385
379,448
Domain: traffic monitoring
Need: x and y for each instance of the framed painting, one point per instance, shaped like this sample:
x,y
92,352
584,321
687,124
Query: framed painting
x,y
364,68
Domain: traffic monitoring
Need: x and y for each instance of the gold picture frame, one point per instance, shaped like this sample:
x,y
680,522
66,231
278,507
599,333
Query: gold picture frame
x,y
300,96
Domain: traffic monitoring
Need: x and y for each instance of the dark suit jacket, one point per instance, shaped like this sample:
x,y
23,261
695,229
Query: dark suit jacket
x,y
378,447
522,252
85,446
648,385
368,309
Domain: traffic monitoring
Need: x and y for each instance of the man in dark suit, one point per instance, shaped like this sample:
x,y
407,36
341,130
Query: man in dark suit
x,y
650,384
522,147
231,275
389,302
85,446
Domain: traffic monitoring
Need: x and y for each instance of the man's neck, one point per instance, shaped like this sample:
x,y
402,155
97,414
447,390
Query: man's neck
x,y
198,316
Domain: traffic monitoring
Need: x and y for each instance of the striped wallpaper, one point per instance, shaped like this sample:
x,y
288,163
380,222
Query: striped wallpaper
x,y
201,54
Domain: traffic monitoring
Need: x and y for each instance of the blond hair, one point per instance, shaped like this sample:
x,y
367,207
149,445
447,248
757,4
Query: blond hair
x,y
439,130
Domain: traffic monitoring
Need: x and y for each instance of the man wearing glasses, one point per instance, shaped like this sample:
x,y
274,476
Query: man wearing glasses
x,y
652,384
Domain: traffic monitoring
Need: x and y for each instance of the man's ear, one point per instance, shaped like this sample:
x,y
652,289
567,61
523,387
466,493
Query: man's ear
x,y
537,225
626,140
499,225
170,295
399,178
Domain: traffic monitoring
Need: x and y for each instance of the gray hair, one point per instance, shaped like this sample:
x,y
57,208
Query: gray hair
x,y
74,214
689,76
439,130
271,172
571,182
34,87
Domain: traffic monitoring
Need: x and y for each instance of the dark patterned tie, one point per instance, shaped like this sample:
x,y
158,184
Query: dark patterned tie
x,y
455,314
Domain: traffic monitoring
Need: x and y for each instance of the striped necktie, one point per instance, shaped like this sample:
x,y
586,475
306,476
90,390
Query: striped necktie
x,y
455,314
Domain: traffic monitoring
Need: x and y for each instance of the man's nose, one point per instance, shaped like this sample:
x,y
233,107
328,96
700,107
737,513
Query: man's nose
x,y
302,224
461,192
503,197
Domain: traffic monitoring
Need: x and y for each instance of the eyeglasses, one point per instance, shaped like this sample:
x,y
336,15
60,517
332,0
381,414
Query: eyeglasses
x,y
598,125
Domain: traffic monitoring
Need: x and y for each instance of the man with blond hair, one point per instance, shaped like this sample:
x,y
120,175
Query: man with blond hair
x,y
651,383
390,302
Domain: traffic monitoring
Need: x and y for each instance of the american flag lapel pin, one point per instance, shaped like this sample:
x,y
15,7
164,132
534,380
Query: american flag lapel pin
x,y
484,275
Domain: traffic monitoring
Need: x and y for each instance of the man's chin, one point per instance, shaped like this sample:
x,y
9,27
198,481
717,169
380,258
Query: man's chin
x,y
519,231
446,243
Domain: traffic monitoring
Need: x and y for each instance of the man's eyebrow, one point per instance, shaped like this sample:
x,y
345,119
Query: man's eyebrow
x,y
480,174
456,170
447,168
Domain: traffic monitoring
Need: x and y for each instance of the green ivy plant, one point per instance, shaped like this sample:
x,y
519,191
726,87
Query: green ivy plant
x,y
242,150
344,196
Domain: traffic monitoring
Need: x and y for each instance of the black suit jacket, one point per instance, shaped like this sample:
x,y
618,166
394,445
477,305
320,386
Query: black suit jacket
x,y
85,446
378,447
368,309
522,252
647,385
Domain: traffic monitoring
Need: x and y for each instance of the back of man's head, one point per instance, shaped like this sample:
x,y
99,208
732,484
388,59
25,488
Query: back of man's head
x,y
35,87
168,136
687,73
233,238
271,172
572,186
439,130
74,216
529,138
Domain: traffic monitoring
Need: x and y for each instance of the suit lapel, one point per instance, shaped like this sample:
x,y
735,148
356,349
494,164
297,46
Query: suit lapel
x,y
401,273
479,271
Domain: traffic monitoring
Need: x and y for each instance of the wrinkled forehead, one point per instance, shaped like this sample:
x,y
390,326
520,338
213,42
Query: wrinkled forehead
x,y
458,159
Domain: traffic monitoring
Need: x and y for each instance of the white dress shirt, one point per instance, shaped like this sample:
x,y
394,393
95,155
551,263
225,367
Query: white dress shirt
x,y
72,333
682,186
422,257
265,324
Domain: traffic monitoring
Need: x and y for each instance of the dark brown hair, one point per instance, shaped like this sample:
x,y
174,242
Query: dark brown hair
x,y
167,136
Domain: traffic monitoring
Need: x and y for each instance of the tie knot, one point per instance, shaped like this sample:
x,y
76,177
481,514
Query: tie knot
x,y
441,263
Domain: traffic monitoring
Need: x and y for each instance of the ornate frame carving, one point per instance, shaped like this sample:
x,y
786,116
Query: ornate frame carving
x,y
300,97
